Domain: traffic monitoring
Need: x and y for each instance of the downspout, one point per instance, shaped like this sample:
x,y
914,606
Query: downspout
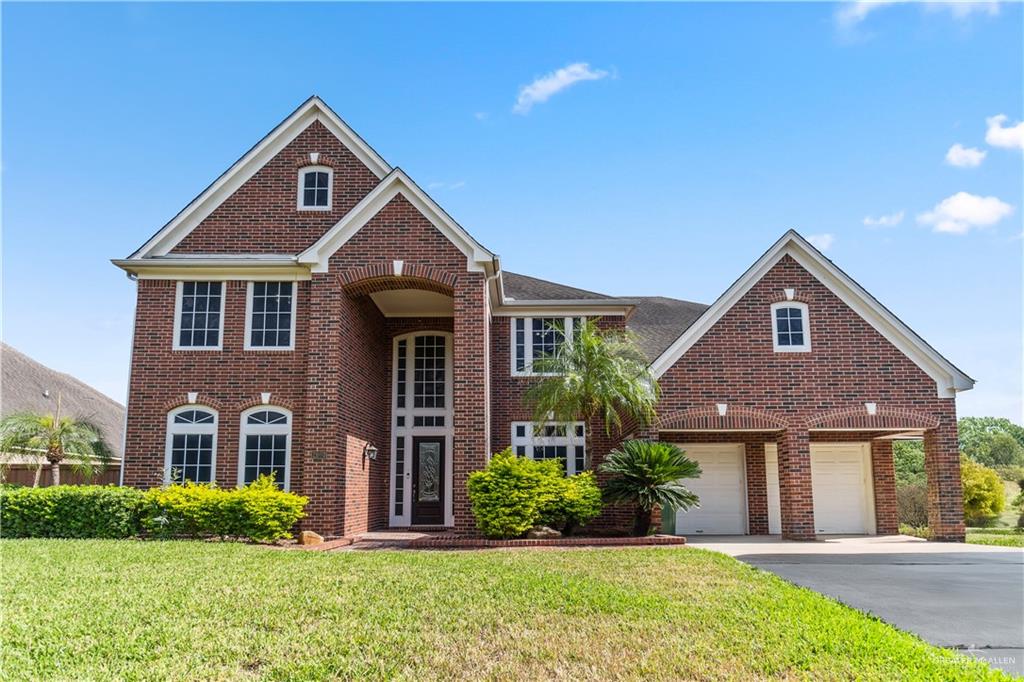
x,y
487,354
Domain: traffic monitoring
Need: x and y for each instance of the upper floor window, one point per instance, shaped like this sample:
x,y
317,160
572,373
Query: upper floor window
x,y
790,329
315,184
564,442
265,445
198,315
191,450
538,337
270,318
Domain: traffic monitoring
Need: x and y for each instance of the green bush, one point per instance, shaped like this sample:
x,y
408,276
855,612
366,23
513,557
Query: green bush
x,y
513,494
260,511
577,502
984,495
1010,472
70,511
912,504
908,461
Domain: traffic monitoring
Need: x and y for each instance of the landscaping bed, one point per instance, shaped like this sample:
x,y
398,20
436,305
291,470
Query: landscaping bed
x,y
199,610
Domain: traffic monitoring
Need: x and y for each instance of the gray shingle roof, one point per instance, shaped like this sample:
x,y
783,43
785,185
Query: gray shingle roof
x,y
525,288
23,382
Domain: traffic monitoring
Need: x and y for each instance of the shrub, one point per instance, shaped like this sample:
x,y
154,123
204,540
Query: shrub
x,y
260,511
513,494
912,504
916,531
1010,472
70,511
984,495
908,461
577,502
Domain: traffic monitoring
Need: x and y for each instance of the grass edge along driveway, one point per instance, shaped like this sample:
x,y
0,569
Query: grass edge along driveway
x,y
192,610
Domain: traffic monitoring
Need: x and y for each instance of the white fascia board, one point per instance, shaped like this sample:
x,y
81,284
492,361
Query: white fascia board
x,y
215,269
317,256
948,378
242,170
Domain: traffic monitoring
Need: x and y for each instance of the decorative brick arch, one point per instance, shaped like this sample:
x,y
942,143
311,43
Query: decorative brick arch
x,y
202,400
707,419
897,418
381,277
257,400
323,160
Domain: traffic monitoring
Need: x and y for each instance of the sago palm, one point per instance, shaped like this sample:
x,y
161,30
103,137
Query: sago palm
x,y
595,373
648,474
57,439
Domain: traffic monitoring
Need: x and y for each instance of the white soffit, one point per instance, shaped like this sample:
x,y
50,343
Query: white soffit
x,y
413,303
947,376
313,109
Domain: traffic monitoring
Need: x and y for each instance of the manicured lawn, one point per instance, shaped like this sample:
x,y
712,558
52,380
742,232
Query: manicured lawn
x,y
180,610
1003,537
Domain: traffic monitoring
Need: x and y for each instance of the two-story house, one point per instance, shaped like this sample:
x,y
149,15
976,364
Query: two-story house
x,y
316,315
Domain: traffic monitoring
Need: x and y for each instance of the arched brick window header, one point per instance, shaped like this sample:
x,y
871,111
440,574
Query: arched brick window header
x,y
707,418
885,418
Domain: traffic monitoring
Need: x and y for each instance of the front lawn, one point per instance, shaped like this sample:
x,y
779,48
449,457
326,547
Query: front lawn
x,y
188,610
1003,537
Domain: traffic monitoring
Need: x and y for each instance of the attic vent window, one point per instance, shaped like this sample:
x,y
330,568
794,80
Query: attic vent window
x,y
315,183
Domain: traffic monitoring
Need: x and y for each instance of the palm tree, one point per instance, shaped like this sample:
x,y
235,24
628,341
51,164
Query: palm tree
x,y
60,438
647,474
595,373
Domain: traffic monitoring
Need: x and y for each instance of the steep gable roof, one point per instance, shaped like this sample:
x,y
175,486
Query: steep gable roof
x,y
313,109
658,321
947,376
525,288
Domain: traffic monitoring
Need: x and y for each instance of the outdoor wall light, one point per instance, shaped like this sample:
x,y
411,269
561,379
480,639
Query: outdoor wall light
x,y
369,451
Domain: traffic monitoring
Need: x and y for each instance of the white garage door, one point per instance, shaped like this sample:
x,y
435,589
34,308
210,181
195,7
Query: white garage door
x,y
722,491
843,493
771,467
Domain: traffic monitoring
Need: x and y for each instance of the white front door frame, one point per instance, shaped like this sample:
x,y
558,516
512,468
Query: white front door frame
x,y
403,430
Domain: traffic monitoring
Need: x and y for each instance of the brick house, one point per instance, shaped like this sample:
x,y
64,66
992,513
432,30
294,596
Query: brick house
x,y
314,314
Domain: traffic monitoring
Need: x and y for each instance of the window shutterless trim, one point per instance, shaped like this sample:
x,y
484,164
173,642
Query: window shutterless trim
x,y
246,429
185,429
569,324
299,198
805,347
178,293
574,437
249,289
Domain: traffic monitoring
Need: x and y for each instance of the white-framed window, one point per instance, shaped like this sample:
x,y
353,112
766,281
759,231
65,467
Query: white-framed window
x,y
270,316
199,315
537,337
315,186
191,450
265,445
564,442
791,330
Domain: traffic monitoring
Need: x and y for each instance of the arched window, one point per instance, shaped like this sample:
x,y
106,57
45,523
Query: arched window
x,y
265,445
791,331
191,452
315,184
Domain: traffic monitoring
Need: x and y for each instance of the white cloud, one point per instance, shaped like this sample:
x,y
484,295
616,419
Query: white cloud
x,y
962,212
889,220
997,135
964,157
543,88
481,115
852,14
822,242
962,10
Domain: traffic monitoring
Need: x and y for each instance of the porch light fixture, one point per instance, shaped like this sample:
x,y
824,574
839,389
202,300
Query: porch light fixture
x,y
872,408
722,408
369,451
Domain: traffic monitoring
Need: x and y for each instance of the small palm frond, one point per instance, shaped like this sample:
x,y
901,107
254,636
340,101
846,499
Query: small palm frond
x,y
649,474
78,441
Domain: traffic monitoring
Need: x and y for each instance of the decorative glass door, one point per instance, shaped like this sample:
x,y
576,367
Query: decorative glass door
x,y
428,468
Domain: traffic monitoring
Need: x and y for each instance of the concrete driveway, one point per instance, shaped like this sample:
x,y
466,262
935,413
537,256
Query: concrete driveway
x,y
967,597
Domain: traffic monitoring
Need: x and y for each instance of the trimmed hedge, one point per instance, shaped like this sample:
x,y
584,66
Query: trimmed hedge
x,y
259,512
70,511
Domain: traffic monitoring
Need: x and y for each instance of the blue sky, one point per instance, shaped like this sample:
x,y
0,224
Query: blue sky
x,y
676,145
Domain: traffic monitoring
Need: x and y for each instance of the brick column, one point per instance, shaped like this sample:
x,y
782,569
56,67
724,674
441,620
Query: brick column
x,y
883,475
757,489
945,490
471,409
795,493
323,465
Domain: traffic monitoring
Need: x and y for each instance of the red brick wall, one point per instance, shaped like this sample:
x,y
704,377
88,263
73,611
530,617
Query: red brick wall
x,y
262,215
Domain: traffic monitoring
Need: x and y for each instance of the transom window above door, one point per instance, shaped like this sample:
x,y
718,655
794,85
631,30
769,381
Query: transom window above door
x,y
564,442
790,329
315,184
534,338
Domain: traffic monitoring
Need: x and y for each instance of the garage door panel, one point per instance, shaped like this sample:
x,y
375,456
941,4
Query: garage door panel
x,y
721,489
842,492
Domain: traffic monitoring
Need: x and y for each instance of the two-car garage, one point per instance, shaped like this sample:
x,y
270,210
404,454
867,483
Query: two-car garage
x,y
841,480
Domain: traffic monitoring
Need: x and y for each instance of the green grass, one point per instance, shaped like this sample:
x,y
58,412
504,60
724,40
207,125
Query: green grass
x,y
98,610
1003,537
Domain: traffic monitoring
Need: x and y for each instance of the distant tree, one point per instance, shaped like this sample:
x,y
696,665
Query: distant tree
x,y
975,430
997,449
908,458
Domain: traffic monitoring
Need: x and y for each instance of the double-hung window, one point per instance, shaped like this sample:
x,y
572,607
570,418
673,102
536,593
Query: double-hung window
x,y
270,318
791,332
265,445
534,338
199,315
563,442
315,183
191,451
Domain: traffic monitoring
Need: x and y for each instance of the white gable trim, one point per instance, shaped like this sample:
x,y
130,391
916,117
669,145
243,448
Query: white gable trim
x,y
313,109
478,259
947,376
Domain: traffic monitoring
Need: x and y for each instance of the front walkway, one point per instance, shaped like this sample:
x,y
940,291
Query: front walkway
x,y
967,597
